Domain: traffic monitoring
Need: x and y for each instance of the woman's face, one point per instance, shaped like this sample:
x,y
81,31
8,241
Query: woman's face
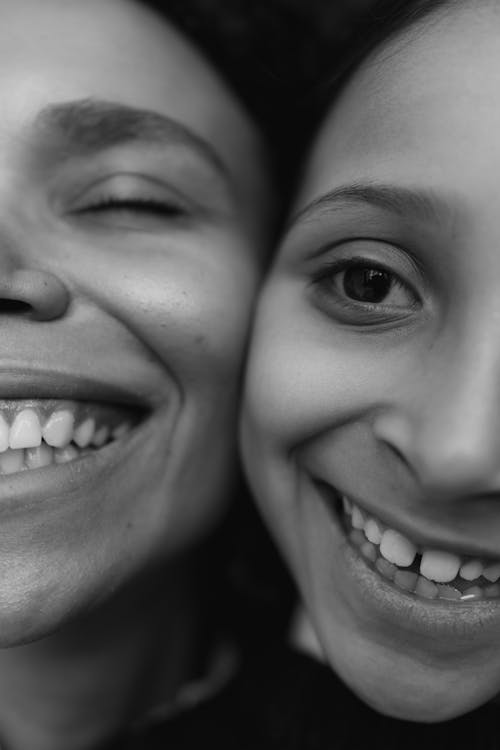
x,y
133,219
375,375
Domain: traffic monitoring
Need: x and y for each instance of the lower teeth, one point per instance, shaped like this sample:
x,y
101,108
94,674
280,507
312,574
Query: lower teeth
x,y
411,582
16,460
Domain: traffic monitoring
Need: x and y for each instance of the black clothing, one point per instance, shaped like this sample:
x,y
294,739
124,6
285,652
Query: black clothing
x,y
289,701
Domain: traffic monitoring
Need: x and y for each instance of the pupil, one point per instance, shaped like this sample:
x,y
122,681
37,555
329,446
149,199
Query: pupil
x,y
367,284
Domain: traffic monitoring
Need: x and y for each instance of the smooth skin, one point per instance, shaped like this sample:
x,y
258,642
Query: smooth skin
x,y
394,403
134,218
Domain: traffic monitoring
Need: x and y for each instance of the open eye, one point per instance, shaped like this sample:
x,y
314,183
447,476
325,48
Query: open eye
x,y
362,292
372,285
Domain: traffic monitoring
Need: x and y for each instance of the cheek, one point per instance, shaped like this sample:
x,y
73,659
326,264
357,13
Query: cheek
x,y
307,375
189,306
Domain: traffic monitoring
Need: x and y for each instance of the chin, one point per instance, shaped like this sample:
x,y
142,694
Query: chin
x,y
412,689
31,610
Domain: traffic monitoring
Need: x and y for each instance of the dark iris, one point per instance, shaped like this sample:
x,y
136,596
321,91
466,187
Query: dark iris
x,y
367,284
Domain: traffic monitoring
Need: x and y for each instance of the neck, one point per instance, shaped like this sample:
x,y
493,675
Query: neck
x,y
75,689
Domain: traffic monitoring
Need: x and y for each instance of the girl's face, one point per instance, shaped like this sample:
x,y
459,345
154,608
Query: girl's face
x,y
375,375
133,217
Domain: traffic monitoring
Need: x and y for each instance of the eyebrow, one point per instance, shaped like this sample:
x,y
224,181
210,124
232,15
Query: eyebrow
x,y
418,204
87,126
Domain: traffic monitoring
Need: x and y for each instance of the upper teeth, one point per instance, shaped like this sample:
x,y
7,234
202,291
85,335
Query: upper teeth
x,y
29,428
83,433
57,431
397,549
436,565
439,566
471,570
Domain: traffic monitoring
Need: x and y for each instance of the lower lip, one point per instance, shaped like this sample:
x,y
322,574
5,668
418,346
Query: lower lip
x,y
450,622
33,490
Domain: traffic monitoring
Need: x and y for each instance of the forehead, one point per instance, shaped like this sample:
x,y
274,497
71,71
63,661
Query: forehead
x,y
424,109
60,51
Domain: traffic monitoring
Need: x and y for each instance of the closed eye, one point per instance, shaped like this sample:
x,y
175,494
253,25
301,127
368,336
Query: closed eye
x,y
137,205
130,201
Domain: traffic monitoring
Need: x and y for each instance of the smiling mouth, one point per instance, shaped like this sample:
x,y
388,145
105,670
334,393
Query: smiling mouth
x,y
424,572
38,433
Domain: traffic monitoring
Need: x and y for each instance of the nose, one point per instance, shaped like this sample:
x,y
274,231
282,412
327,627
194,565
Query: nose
x,y
34,293
445,424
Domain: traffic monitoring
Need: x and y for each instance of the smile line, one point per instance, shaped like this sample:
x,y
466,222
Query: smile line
x,y
423,572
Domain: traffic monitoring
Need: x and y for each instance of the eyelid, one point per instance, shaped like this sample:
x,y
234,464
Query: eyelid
x,y
388,257
360,315
382,254
126,186
337,265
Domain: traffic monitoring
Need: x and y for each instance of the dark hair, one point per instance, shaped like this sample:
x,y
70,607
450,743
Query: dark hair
x,y
272,53
381,21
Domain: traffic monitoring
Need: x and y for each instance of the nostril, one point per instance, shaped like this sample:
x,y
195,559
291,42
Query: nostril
x,y
14,306
40,293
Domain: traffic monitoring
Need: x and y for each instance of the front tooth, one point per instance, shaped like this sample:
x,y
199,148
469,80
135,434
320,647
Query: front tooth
x,y
426,588
36,458
387,569
373,532
369,551
357,518
439,566
406,580
345,502
448,592
101,436
58,429
25,431
63,455
123,428
471,570
474,592
84,433
11,461
492,572
4,434
492,590
397,548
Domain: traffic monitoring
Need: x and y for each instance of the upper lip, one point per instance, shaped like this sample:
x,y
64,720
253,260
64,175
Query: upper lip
x,y
428,532
29,383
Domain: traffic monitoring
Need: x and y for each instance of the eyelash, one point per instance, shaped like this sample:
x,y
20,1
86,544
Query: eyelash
x,y
322,278
140,205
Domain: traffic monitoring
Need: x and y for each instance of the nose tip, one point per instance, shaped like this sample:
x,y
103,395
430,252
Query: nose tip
x,y
37,294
